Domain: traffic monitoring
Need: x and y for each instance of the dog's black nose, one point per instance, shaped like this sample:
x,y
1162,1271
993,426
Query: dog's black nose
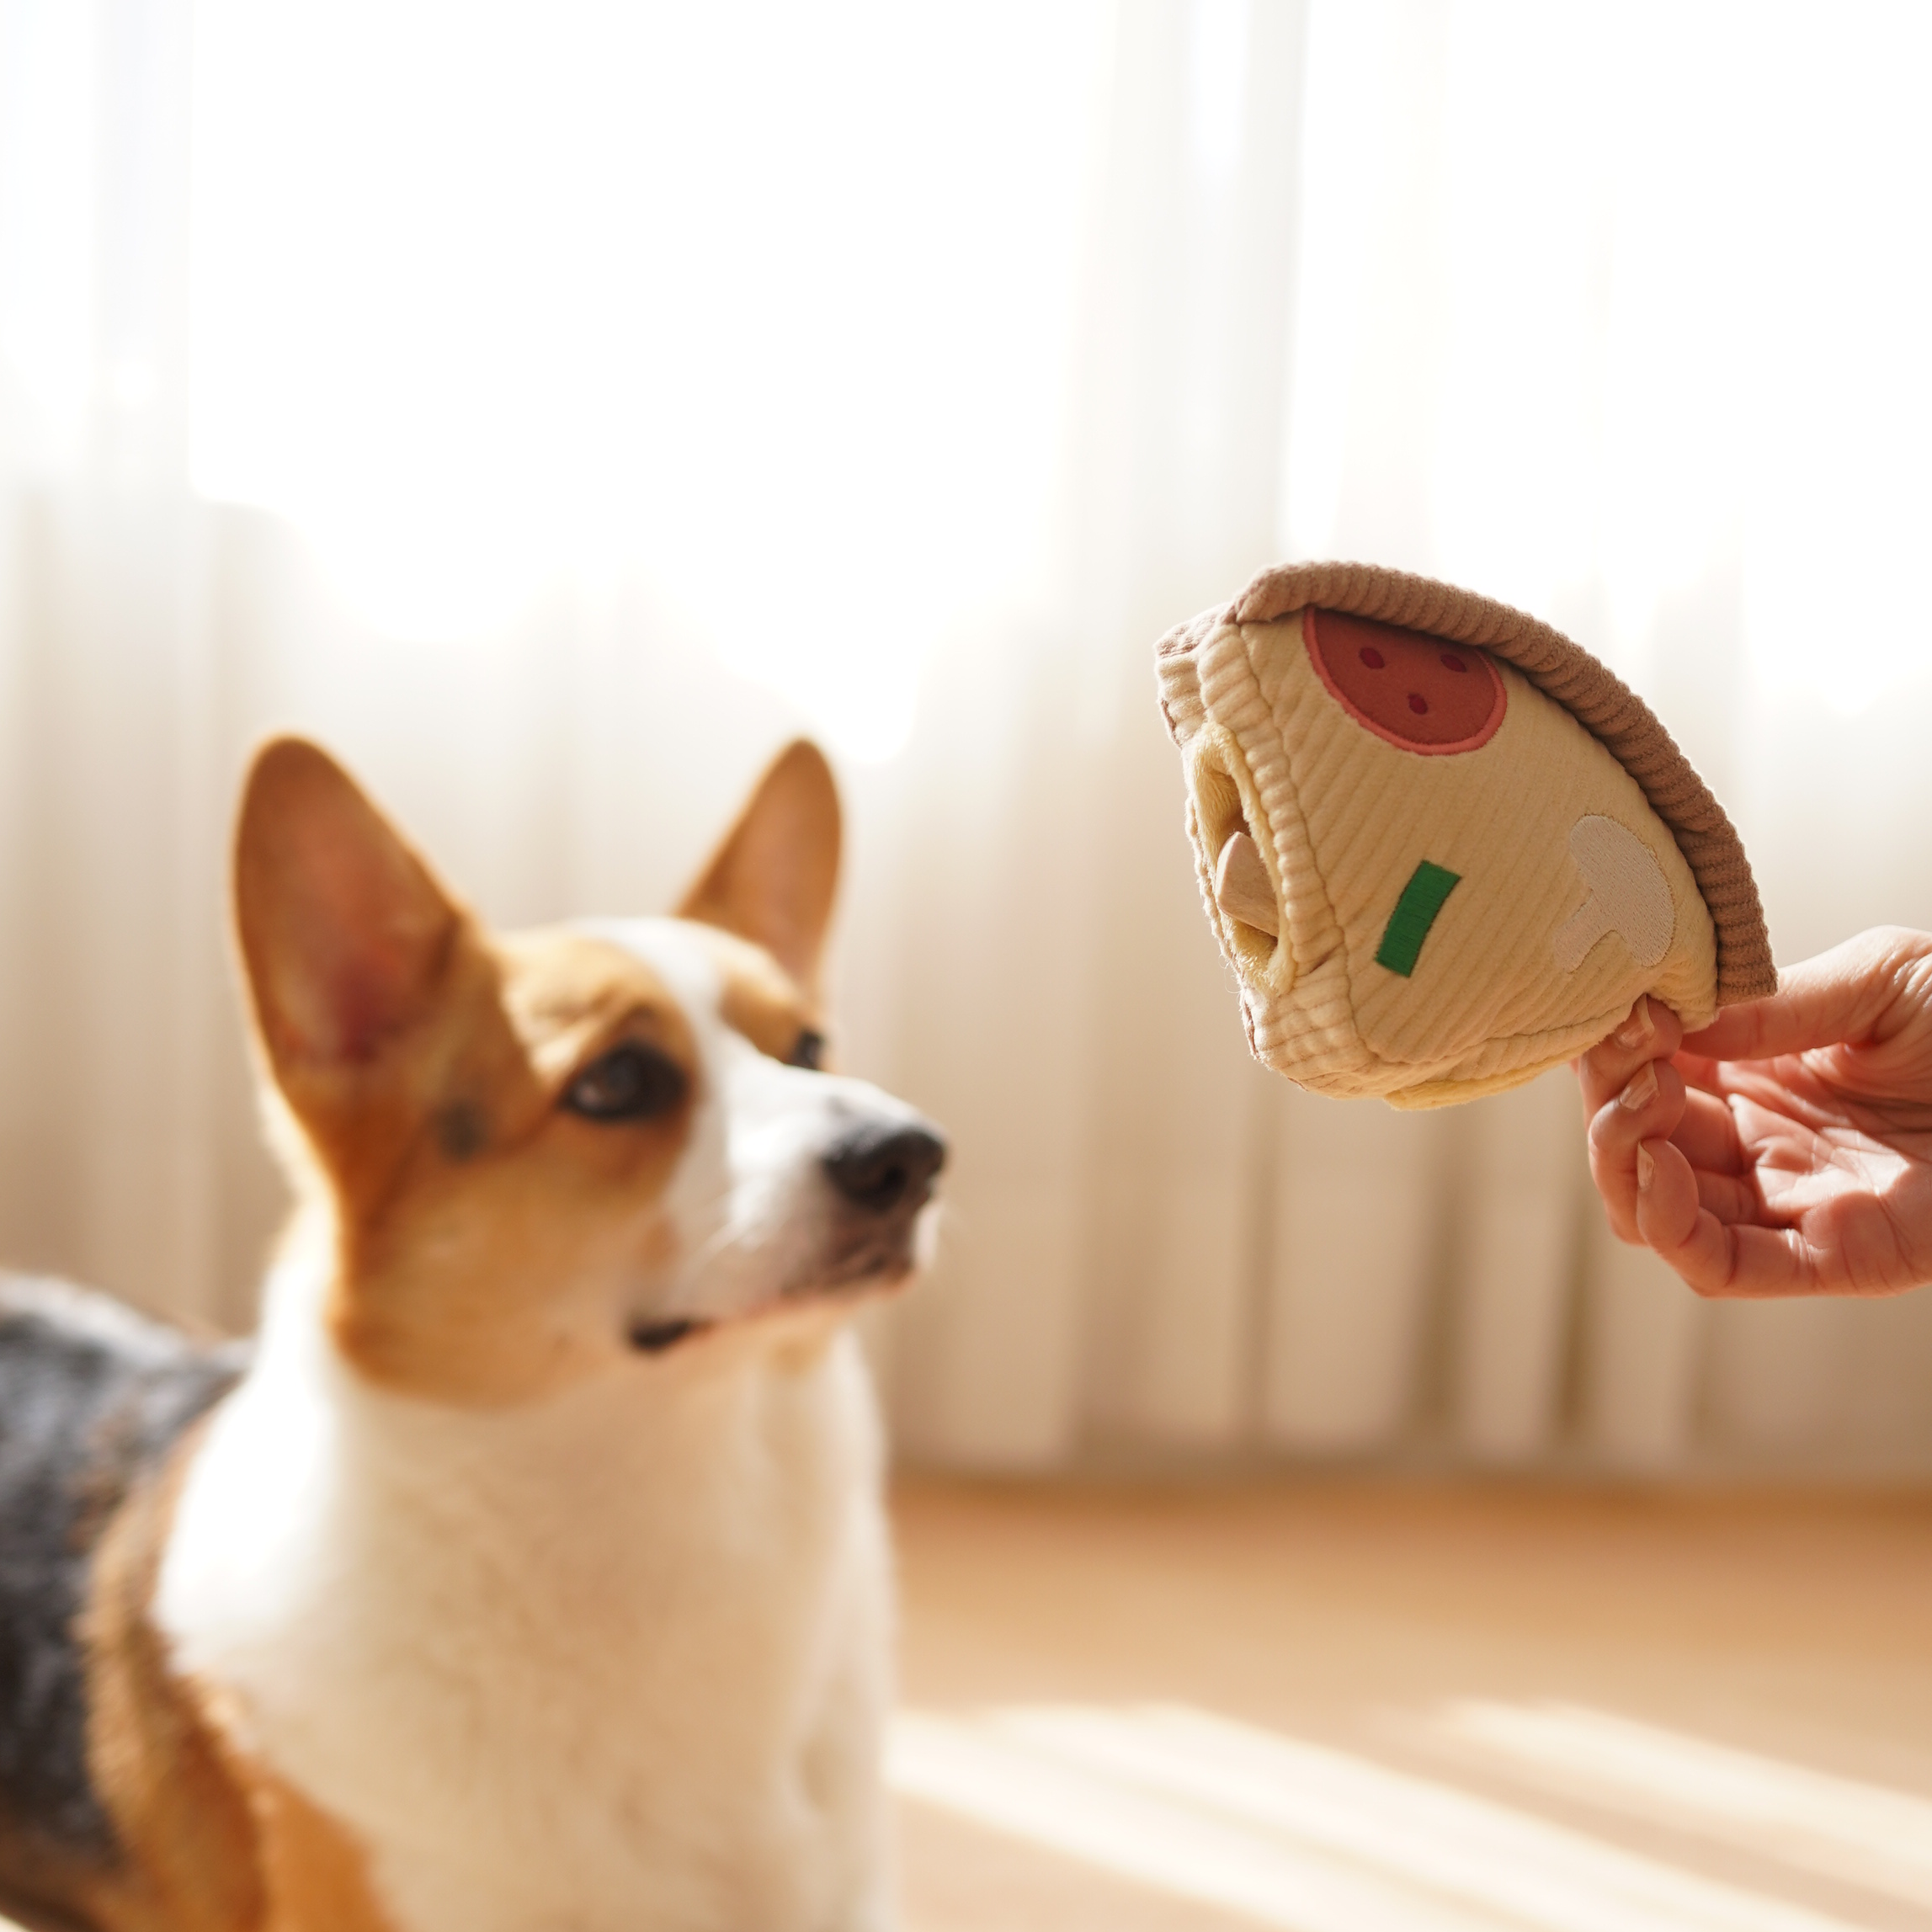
x,y
883,1165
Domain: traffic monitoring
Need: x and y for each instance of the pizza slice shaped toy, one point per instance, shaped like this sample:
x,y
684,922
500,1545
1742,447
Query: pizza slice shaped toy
x,y
1442,846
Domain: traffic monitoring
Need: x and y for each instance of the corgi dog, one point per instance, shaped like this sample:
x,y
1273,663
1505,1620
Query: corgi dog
x,y
529,1573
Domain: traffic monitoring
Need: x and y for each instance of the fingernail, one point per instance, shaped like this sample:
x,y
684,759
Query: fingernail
x,y
1642,1089
1645,1168
1637,1029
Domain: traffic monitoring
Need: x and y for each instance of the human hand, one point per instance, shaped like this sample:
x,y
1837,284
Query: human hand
x,y
1786,1149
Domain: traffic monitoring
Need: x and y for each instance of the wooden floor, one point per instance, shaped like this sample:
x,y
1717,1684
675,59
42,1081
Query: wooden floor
x,y
1673,1711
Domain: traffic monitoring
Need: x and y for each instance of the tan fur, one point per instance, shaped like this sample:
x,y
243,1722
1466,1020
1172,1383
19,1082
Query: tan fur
x,y
211,1842
762,1001
441,1291
316,1877
773,878
183,1821
50,1890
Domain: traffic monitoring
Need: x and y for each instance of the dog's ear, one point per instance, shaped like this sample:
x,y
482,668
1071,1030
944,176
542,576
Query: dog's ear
x,y
773,878
344,931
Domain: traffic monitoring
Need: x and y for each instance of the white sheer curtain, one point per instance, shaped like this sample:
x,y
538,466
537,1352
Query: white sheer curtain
x,y
554,407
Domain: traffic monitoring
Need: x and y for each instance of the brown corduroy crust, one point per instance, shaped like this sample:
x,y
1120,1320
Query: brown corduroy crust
x,y
1595,696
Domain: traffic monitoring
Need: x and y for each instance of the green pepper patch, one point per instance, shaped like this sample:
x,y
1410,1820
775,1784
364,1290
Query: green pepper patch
x,y
1415,912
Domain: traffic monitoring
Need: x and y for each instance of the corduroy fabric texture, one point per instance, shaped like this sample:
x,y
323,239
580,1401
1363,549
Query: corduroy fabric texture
x,y
1520,962
1606,707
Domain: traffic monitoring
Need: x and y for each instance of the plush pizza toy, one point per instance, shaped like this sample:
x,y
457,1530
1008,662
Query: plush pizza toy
x,y
1443,847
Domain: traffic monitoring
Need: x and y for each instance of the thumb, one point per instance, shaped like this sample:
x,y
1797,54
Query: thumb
x,y
1852,994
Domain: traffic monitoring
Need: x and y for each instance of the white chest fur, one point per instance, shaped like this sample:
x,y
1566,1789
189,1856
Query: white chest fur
x,y
619,1661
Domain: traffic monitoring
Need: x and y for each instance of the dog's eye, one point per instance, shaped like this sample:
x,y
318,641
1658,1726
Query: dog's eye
x,y
807,1050
629,1083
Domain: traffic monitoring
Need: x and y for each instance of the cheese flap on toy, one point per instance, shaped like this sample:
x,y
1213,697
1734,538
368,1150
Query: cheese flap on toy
x,y
1442,846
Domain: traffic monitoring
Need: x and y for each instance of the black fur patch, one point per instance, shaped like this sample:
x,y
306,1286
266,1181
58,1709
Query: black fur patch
x,y
91,1397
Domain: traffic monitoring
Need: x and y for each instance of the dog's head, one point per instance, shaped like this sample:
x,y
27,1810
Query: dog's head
x,y
545,1154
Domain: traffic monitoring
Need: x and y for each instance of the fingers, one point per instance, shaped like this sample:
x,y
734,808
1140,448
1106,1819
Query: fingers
x,y
1665,1144
1650,1102
1649,1105
1629,1090
1715,1257
1653,1032
1842,995
1698,1069
1734,1198
1707,1133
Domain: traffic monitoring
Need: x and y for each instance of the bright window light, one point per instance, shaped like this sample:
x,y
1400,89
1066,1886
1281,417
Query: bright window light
x,y
50,59
1638,285
768,304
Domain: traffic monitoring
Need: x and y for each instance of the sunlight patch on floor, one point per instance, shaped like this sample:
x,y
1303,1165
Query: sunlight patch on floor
x,y
1837,1826
1299,1835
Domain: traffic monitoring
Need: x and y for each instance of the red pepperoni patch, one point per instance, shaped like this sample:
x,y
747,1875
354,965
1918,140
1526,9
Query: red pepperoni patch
x,y
1402,686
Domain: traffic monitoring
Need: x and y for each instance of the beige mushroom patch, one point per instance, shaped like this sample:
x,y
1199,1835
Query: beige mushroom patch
x,y
1629,896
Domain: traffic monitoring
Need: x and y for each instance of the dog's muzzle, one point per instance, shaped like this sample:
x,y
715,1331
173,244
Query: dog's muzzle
x,y
881,1175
